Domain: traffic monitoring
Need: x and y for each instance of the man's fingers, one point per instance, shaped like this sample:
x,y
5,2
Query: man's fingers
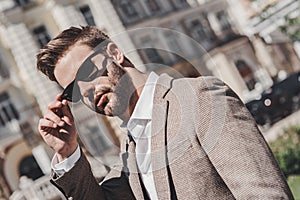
x,y
54,118
45,123
54,105
68,117
58,97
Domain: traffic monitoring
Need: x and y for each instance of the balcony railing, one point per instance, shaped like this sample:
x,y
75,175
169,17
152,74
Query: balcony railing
x,y
36,190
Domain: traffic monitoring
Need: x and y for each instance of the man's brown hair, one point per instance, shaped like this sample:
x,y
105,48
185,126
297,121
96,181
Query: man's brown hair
x,y
49,55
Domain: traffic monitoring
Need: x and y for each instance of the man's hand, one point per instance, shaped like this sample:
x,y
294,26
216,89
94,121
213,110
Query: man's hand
x,y
58,128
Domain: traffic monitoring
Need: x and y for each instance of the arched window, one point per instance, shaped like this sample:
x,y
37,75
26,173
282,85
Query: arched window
x,y
152,6
22,2
8,111
42,35
29,167
3,71
246,73
88,15
128,8
224,20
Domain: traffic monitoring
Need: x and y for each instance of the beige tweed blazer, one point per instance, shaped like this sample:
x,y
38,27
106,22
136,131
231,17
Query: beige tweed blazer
x,y
205,145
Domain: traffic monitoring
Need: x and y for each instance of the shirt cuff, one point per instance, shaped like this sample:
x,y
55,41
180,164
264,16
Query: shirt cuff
x,y
66,165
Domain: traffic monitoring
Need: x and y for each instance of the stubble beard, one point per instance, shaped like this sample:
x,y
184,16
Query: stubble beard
x,y
123,91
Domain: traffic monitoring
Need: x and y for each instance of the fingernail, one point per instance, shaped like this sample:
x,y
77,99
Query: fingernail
x,y
64,102
54,125
61,123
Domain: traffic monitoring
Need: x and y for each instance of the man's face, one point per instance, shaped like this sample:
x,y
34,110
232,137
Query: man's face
x,y
106,90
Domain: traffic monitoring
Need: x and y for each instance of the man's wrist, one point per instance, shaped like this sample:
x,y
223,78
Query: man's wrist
x,y
68,151
66,165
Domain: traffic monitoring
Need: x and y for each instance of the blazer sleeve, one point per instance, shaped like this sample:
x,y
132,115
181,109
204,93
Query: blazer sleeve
x,y
236,147
79,183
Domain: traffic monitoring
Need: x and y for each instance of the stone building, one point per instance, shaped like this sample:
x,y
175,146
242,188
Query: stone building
x,y
206,34
265,23
21,153
216,37
22,33
225,38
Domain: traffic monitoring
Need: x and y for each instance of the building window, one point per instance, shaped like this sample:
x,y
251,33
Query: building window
x,y
224,20
128,8
8,111
22,2
41,35
95,140
88,15
180,3
152,55
152,6
3,72
174,46
28,134
173,43
246,73
2,122
30,168
130,11
198,30
201,29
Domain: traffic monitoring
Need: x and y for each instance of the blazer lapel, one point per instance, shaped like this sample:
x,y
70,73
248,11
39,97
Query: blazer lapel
x,y
133,170
158,130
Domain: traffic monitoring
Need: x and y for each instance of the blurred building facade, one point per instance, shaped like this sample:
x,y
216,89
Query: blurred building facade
x,y
18,139
234,46
272,23
22,34
225,38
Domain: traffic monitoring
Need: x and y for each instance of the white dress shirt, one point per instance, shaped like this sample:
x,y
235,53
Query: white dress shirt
x,y
139,126
64,166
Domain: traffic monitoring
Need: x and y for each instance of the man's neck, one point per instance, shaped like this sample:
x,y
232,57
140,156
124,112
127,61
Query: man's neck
x,y
126,115
139,81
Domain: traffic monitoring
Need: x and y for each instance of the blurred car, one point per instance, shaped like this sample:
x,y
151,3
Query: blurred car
x,y
257,108
278,101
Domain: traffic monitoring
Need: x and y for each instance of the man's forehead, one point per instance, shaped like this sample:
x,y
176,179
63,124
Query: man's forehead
x,y
68,65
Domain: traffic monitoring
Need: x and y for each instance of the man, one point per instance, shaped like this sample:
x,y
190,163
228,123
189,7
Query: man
x,y
188,138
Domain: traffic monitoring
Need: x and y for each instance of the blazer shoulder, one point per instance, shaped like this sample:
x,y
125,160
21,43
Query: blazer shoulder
x,y
202,83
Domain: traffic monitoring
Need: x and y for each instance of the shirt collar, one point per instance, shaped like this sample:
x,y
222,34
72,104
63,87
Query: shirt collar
x,y
143,108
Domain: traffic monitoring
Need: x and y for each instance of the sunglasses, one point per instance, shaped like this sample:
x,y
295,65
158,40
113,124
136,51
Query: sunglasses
x,y
87,71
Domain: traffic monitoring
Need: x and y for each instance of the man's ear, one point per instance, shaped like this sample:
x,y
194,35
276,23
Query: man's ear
x,y
115,52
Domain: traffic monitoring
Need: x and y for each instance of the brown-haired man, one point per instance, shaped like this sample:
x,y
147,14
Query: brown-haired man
x,y
188,138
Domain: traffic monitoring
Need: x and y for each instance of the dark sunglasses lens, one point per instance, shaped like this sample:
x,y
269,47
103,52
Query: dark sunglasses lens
x,y
85,70
72,93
